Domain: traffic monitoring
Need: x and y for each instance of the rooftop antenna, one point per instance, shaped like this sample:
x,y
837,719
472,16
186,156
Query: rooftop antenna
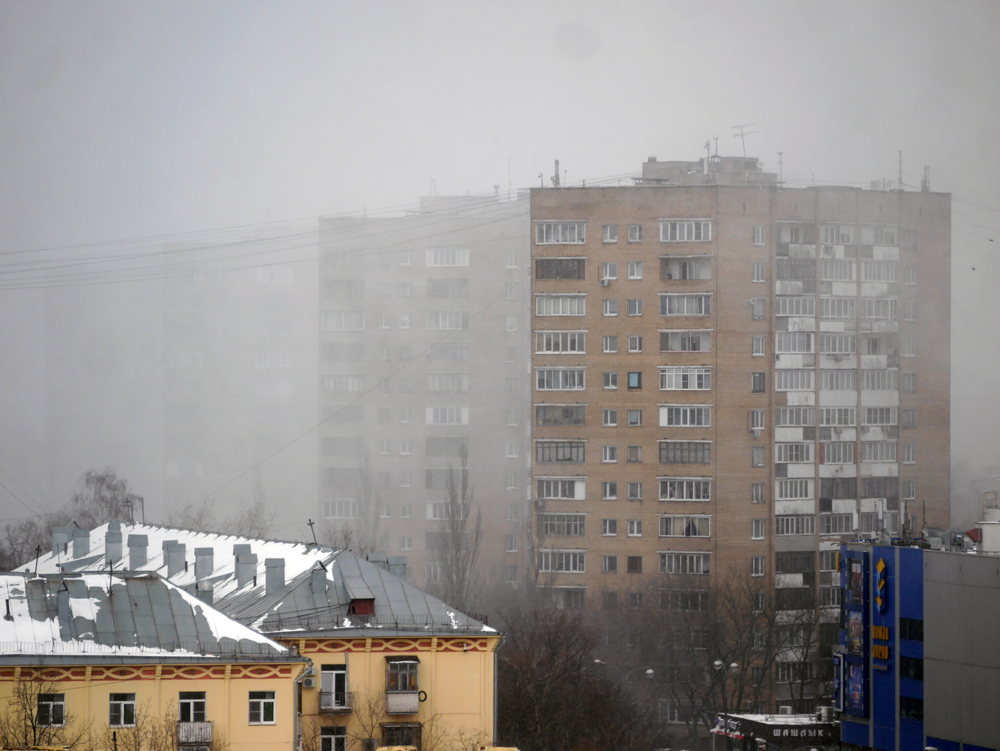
x,y
38,554
900,171
555,177
312,524
744,133
779,166
716,138
708,154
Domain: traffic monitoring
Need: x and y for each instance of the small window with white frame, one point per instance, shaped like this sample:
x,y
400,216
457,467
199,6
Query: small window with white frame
x,y
909,346
760,271
634,418
758,346
909,490
635,527
759,235
610,418
262,705
611,343
635,344
609,490
757,529
610,233
909,453
635,233
635,307
757,565
609,271
51,710
610,307
758,308
635,269
609,527
909,275
610,380
609,454
121,710
758,455
758,492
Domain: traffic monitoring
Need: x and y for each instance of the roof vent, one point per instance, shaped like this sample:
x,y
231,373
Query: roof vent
x,y
317,581
205,590
81,542
274,575
246,569
113,543
137,547
204,562
175,553
397,566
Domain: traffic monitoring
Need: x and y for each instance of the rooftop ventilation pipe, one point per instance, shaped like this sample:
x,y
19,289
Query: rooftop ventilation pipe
x,y
397,566
205,590
113,542
274,575
317,581
246,568
60,539
175,552
204,562
137,547
81,543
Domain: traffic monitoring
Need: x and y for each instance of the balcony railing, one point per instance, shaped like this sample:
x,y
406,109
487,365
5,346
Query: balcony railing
x,y
332,702
194,732
402,702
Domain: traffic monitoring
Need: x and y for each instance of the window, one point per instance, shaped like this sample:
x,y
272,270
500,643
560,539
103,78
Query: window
x,y
635,344
760,271
404,508
333,738
634,417
685,563
879,309
685,379
560,305
560,268
562,525
609,527
686,416
333,687
559,379
559,452
610,307
610,233
447,383
909,453
554,414
635,233
406,542
610,344
343,384
511,449
635,491
879,416
838,380
757,529
836,452
758,308
785,417
634,454
758,455
911,708
836,524
758,383
795,306
757,346
447,289
837,309
635,269
609,491
446,415
878,451
757,565
685,268
635,307
685,452
609,454
879,271
794,525
635,527
793,453
609,564
560,233
513,417
634,564
909,275
610,380
609,271
402,674
344,320
685,526
838,416
879,380
561,561
909,418
447,257
909,346
837,234
513,511
340,509
684,599
610,418
758,494
911,667
909,310
510,259
685,489
792,490
690,230
911,629
685,341
838,344
384,446
122,710
635,380
51,710
560,342
793,342
685,305
560,490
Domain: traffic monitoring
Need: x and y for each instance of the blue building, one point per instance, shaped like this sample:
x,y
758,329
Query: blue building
x,y
918,664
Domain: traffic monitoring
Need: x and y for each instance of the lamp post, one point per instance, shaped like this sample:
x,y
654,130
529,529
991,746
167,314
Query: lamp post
x,y
722,670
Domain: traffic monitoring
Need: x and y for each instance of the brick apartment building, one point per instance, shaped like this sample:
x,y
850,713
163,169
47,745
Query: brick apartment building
x,y
729,373
423,352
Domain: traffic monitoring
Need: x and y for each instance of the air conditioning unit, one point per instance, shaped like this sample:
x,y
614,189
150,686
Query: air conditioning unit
x,y
309,682
605,282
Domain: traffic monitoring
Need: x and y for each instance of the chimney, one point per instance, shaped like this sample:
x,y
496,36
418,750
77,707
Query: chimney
x,y
246,568
113,542
175,552
204,590
317,581
204,562
274,574
379,559
62,603
60,538
35,589
137,547
397,566
81,543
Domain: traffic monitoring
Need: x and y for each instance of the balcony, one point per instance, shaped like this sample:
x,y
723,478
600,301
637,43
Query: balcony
x,y
194,733
402,702
335,702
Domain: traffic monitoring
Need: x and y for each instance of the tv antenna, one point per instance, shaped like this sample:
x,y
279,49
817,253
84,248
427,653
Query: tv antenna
x,y
743,133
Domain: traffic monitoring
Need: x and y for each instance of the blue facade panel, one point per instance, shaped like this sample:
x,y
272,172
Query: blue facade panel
x,y
911,735
942,745
911,583
854,732
883,675
910,687
970,747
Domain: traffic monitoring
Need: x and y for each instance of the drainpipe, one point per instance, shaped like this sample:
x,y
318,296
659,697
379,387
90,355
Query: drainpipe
x,y
296,692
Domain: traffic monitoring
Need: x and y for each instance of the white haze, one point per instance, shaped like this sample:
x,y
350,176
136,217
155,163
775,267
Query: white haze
x,y
149,122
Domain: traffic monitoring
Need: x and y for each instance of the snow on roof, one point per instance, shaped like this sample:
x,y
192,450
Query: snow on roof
x,y
299,557
120,614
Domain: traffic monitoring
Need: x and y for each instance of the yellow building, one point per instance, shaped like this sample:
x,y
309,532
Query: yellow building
x,y
93,659
384,663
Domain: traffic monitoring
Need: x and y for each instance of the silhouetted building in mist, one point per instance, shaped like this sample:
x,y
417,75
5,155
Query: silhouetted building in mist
x,y
731,375
423,356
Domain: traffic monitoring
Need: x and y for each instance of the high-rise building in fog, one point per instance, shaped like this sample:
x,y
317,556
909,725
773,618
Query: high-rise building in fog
x,y
733,375
423,355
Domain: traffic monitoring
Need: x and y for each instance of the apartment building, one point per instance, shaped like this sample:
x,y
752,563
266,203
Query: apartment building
x,y
423,353
732,375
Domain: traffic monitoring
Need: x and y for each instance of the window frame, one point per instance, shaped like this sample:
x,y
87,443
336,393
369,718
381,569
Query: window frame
x,y
121,707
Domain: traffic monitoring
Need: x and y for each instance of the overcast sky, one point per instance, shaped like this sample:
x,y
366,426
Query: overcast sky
x,y
130,120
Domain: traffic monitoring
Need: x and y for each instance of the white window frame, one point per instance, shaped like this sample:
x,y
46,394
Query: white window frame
x,y
635,233
757,529
634,528
610,233
560,232
759,271
685,230
635,269
759,235
634,343
260,704
609,454
560,305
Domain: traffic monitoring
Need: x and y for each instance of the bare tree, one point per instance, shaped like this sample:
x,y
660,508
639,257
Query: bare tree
x,y
99,498
35,716
458,545
253,520
192,515
152,732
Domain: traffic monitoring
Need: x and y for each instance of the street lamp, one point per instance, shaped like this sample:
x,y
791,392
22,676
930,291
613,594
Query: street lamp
x,y
721,669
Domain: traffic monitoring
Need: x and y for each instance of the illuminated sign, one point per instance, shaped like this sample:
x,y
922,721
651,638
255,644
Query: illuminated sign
x,y
881,585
